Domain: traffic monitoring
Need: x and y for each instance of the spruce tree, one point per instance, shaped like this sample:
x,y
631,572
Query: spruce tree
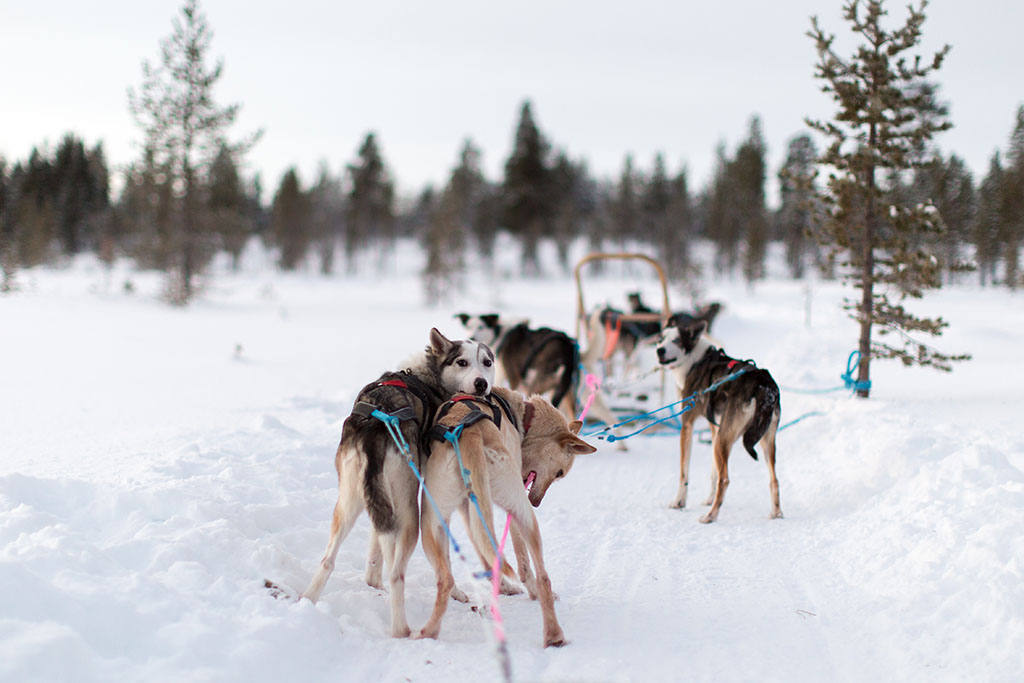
x,y
526,190
8,262
675,244
184,128
794,219
988,221
886,114
227,205
748,172
1013,191
290,221
370,203
327,206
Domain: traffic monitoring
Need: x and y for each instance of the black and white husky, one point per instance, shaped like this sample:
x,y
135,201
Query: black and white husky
x,y
531,360
375,475
746,406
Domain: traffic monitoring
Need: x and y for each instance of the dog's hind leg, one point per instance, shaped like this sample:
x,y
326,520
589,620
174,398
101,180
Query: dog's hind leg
x,y
714,473
527,521
374,561
398,547
767,444
435,546
346,511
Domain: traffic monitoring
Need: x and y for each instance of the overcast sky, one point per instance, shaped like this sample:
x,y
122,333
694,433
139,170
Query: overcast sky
x,y
605,79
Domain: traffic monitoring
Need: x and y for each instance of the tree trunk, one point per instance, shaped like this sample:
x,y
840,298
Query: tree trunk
x,y
867,281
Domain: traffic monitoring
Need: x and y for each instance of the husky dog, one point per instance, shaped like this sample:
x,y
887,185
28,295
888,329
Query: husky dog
x,y
746,406
524,440
374,474
532,360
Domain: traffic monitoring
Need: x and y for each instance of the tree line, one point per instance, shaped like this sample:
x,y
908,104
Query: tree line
x,y
58,203
185,198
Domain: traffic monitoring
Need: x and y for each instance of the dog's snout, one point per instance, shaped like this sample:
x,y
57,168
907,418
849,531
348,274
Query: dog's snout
x,y
661,353
480,384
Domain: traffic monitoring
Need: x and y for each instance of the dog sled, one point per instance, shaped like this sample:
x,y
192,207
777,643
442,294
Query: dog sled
x,y
616,345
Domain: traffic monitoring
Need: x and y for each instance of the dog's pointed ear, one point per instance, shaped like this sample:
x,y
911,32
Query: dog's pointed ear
x,y
439,344
575,426
490,319
463,317
692,333
576,445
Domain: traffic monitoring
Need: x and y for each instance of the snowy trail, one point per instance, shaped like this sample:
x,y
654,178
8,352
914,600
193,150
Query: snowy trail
x,y
137,525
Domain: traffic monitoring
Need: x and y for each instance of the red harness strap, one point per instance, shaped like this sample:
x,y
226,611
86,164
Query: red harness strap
x,y
393,383
611,336
732,364
527,417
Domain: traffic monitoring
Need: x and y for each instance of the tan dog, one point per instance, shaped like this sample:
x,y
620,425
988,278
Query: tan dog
x,y
501,451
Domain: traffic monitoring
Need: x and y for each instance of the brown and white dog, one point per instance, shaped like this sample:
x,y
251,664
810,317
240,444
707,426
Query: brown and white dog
x,y
515,439
746,406
374,474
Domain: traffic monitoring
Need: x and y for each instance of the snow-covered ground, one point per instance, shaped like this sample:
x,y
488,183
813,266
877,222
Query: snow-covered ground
x,y
157,464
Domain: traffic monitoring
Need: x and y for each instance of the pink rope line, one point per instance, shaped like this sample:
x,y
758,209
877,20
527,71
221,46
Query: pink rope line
x,y
592,384
499,624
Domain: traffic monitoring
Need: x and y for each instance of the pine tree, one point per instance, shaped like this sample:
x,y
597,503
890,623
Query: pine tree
x,y
527,209
8,261
675,244
327,206
720,221
1013,189
626,204
184,128
748,171
290,221
988,221
886,116
227,205
794,219
370,204
948,186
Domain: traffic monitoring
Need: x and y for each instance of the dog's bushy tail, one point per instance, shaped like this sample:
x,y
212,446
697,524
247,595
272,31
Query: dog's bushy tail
x,y
766,408
376,444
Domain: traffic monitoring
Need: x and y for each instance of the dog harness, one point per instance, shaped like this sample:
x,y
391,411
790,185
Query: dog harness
x,y
440,432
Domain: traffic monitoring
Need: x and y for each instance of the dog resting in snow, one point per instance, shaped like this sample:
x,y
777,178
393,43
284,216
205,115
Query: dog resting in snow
x,y
505,441
746,406
374,474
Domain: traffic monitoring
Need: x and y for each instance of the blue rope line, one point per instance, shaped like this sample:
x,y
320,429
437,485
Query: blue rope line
x,y
691,399
452,436
391,422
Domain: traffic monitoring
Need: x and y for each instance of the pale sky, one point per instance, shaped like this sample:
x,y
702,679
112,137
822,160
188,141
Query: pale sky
x,y
605,79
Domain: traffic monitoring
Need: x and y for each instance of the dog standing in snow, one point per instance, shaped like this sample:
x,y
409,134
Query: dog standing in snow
x,y
506,441
374,474
747,406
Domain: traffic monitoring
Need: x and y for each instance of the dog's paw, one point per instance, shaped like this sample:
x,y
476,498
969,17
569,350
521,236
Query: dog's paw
x,y
707,519
425,633
509,588
776,514
401,632
556,639
677,505
459,595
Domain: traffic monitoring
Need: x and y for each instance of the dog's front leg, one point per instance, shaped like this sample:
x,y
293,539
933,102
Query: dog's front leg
x,y
721,447
685,445
553,635
523,561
